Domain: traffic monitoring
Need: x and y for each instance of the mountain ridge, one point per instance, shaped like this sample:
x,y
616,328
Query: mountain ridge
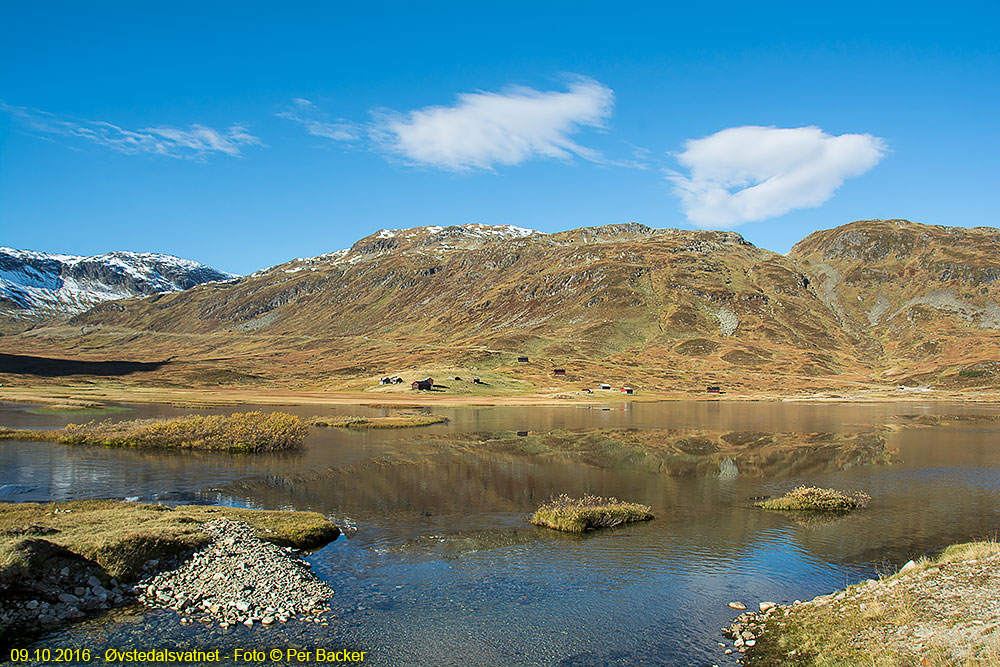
x,y
882,302
35,286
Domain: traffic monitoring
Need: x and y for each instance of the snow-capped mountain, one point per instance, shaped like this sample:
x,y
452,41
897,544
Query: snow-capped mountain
x,y
38,285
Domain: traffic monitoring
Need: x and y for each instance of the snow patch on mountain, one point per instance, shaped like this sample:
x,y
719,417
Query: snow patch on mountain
x,y
39,284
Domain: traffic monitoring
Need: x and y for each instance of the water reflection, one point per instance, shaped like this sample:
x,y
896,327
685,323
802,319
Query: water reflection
x,y
443,569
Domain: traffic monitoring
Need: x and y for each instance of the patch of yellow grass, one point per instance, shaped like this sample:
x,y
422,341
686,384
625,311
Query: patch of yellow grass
x,y
249,432
120,537
391,421
811,498
580,515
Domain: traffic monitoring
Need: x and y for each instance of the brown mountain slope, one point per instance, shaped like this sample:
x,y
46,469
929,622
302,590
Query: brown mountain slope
x,y
924,296
659,309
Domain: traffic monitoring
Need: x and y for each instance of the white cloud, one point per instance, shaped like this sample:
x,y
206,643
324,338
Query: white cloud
x,y
743,174
193,142
308,115
483,130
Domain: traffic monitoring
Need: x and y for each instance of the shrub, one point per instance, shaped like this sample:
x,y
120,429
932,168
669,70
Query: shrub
x,y
588,513
805,498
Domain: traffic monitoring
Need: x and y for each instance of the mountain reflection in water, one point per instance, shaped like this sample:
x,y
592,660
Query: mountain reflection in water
x,y
440,567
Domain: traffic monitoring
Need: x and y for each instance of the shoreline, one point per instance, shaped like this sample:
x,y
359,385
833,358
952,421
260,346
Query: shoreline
x,y
936,611
208,398
66,561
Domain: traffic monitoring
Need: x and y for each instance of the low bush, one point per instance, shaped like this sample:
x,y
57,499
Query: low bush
x,y
579,515
805,498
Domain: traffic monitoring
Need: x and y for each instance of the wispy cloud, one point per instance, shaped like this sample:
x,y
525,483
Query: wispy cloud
x,y
195,141
480,131
312,119
744,174
483,130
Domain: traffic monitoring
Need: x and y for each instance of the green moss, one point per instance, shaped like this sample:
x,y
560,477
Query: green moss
x,y
580,515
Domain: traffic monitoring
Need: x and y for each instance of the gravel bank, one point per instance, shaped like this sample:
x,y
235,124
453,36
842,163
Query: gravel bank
x,y
238,578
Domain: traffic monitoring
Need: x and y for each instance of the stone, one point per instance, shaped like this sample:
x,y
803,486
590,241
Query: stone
x,y
737,605
764,606
910,564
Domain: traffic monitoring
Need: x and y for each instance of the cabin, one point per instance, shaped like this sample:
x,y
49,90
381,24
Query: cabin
x,y
423,385
559,371
604,385
713,389
628,390
395,379
522,360
385,380
476,380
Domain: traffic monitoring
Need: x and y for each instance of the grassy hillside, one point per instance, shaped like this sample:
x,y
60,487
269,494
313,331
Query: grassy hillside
x,y
661,310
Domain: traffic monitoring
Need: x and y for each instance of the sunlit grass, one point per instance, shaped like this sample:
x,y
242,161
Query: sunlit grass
x,y
811,498
120,537
391,421
249,432
580,515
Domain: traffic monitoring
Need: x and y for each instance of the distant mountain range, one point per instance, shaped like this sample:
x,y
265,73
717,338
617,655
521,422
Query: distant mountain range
x,y
881,301
36,286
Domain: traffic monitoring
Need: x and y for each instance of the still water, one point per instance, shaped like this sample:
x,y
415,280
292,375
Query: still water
x,y
439,567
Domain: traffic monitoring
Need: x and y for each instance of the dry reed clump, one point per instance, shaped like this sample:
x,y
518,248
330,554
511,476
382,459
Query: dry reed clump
x,y
391,421
811,498
580,515
239,432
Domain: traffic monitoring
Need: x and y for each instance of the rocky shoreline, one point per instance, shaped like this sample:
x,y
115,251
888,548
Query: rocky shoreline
x,y
934,612
238,578
68,594
235,578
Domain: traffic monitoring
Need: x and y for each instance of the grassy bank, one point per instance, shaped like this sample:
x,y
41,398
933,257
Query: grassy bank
x,y
120,537
580,515
939,612
811,498
391,421
249,432
95,409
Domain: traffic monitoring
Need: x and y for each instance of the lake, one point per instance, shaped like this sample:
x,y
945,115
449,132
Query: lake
x,y
438,565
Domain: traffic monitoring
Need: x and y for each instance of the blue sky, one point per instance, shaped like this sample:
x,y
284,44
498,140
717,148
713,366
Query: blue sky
x,y
243,134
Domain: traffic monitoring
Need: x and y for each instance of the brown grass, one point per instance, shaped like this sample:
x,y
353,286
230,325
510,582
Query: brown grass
x,y
831,635
580,515
811,498
120,537
391,421
249,432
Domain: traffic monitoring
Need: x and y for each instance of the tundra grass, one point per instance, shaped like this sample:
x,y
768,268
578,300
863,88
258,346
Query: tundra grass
x,y
78,409
580,515
391,421
811,498
248,432
120,536
846,635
